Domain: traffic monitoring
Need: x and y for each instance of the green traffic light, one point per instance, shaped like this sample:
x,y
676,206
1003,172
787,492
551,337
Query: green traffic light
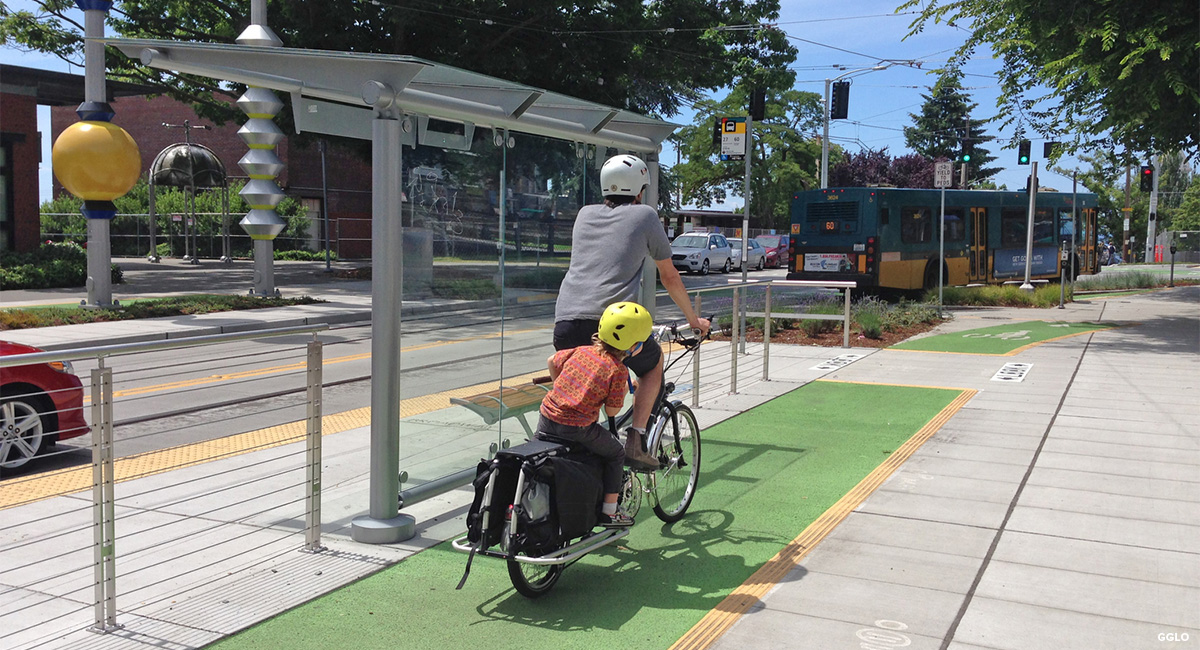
x,y
1024,159
966,157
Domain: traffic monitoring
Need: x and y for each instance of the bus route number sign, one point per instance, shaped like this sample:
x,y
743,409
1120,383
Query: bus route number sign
x,y
733,138
942,171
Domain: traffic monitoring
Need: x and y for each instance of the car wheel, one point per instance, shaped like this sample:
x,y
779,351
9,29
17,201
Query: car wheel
x,y
23,432
761,264
704,268
728,266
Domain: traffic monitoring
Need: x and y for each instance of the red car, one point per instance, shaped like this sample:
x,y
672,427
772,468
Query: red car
x,y
40,404
777,249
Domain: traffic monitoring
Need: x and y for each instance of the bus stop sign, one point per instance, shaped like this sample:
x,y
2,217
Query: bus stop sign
x,y
733,138
942,171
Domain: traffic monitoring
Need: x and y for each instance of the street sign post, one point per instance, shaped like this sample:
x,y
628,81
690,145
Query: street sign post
x,y
942,172
733,138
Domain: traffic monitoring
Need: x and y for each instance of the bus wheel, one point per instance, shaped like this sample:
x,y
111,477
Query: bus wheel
x,y
931,276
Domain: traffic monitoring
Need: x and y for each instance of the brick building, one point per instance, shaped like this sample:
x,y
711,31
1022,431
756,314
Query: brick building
x,y
22,90
348,176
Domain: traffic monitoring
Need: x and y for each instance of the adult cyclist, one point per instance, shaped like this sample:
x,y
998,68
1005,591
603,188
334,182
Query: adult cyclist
x,y
609,243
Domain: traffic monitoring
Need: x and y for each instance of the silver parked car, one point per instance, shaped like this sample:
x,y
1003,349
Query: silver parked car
x,y
699,252
755,253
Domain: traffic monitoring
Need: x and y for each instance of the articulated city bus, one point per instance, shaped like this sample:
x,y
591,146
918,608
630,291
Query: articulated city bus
x,y
886,238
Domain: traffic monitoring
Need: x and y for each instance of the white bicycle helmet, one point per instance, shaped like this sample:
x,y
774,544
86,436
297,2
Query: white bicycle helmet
x,y
623,175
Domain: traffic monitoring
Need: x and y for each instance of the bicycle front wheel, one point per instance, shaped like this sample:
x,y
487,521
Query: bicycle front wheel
x,y
679,455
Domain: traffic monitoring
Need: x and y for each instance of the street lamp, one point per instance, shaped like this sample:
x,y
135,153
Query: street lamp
x,y
825,139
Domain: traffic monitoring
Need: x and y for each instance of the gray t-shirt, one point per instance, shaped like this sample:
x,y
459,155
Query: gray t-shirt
x,y
608,246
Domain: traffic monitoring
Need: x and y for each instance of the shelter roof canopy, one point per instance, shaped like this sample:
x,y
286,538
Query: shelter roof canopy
x,y
419,87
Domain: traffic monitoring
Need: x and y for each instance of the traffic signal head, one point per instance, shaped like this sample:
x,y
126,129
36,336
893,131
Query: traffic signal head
x,y
839,101
1023,152
1146,178
968,150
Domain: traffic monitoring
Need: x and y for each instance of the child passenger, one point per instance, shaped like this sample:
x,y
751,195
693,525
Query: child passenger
x,y
591,376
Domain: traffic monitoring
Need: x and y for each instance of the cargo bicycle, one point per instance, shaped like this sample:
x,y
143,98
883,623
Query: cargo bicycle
x,y
529,511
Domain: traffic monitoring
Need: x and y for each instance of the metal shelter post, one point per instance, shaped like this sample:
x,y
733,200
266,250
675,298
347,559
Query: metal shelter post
x,y
384,525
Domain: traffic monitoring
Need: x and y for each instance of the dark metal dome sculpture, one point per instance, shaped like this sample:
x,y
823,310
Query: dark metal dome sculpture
x,y
188,165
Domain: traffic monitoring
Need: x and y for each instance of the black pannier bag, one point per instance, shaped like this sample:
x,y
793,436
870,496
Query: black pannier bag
x,y
560,500
576,496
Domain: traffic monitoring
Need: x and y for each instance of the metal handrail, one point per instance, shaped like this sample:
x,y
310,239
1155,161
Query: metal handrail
x,y
101,351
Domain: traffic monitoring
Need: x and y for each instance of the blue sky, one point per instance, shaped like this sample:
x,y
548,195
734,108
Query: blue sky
x,y
854,35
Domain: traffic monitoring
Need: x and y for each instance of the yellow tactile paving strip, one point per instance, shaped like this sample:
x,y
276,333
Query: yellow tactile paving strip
x,y
728,611
68,481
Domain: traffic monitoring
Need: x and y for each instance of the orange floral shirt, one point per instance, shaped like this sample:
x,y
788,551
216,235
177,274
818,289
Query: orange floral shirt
x,y
588,379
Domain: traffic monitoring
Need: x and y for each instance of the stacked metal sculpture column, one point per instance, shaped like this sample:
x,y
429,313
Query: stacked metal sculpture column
x,y
261,164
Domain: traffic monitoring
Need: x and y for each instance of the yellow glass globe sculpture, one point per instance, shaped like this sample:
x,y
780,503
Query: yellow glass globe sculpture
x,y
96,161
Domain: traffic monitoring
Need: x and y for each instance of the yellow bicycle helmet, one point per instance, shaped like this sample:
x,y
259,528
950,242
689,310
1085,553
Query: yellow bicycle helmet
x,y
625,324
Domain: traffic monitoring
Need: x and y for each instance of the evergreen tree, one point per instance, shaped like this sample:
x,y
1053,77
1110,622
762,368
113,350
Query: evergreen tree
x,y
945,122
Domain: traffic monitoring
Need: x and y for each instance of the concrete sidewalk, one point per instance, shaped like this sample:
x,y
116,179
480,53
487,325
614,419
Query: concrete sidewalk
x,y
1062,511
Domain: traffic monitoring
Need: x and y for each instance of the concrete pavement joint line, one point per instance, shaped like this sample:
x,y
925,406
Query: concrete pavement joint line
x,y
730,610
1012,505
60,482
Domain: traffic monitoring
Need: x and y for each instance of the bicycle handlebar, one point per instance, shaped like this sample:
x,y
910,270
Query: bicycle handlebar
x,y
689,342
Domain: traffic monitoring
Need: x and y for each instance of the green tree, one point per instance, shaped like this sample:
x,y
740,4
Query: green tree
x,y
783,160
945,121
650,57
61,217
1188,217
1120,73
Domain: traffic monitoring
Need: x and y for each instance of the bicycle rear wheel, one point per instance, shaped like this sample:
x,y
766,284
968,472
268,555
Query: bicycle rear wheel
x,y
679,454
533,580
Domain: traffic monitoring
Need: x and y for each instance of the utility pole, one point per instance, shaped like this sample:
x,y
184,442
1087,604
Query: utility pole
x,y
1126,249
962,181
1152,218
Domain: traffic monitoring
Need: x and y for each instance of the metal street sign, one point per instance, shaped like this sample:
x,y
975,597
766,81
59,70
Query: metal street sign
x,y
733,138
942,172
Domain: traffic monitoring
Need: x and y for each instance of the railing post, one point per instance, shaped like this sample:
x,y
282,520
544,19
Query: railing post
x,y
767,334
312,469
103,502
846,322
733,342
696,364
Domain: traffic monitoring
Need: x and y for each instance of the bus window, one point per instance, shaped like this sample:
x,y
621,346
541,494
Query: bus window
x,y
1012,227
956,229
883,216
1066,226
916,225
1043,227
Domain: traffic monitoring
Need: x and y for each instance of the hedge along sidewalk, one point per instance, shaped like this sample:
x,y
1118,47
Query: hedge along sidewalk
x,y
765,476
135,308
1000,340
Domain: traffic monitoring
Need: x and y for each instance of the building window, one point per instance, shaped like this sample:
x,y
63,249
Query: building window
x,y
7,219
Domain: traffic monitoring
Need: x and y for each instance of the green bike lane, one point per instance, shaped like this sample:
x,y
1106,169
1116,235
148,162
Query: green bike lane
x,y
810,455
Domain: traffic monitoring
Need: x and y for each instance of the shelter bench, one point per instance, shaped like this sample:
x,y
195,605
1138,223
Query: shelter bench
x,y
508,402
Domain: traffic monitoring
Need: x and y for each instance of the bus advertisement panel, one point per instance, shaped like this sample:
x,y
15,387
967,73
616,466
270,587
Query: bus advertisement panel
x,y
887,238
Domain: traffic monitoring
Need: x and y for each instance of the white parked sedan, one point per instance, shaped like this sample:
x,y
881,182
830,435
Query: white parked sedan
x,y
755,253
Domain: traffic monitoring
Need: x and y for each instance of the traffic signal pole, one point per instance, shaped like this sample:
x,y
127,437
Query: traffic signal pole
x,y
1033,185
